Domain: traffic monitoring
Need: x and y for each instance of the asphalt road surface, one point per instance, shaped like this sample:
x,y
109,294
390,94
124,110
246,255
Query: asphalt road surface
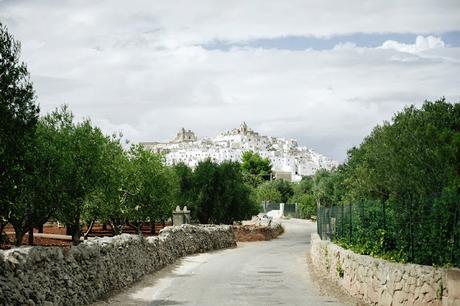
x,y
256,273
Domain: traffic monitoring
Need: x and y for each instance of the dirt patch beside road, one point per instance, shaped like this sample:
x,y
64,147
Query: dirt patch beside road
x,y
257,232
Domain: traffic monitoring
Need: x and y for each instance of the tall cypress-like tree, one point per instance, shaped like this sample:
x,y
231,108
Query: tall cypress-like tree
x,y
18,120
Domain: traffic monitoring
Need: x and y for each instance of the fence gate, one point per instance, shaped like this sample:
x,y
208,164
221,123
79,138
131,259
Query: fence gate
x,y
290,209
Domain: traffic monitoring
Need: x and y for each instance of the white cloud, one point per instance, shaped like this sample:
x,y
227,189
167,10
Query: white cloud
x,y
177,22
139,67
421,44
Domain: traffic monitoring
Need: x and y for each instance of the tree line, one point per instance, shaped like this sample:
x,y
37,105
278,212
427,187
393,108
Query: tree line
x,y
403,181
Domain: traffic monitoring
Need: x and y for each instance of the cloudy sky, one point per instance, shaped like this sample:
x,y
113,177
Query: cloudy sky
x,y
324,72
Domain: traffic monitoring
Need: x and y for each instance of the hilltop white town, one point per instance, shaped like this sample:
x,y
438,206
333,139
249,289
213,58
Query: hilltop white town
x,y
289,160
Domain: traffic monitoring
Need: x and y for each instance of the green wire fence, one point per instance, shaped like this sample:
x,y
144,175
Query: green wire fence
x,y
423,231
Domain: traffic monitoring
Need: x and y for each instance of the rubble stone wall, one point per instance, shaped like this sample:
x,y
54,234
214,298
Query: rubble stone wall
x,y
81,274
380,282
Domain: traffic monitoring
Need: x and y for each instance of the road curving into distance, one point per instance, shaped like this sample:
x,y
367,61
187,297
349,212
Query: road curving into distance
x,y
256,273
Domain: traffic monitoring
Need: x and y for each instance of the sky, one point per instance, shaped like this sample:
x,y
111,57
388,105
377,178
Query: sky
x,y
322,72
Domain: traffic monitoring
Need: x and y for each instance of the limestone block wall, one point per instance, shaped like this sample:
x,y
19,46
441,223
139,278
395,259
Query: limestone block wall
x,y
81,274
380,282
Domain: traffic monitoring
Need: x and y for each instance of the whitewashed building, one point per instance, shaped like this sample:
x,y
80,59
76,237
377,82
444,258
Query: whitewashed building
x,y
287,157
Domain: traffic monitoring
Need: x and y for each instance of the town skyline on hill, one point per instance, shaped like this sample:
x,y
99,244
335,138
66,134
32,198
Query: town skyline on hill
x,y
289,159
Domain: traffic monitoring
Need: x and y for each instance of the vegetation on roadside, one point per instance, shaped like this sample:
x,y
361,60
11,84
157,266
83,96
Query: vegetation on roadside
x,y
18,122
216,192
256,170
397,196
403,185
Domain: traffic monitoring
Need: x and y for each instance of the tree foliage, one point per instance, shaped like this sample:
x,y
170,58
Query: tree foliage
x,y
406,174
153,187
303,196
284,188
18,119
268,193
185,176
255,168
81,151
307,205
216,192
42,189
108,202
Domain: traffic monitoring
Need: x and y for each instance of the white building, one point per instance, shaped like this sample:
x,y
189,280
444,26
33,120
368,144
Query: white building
x,y
285,154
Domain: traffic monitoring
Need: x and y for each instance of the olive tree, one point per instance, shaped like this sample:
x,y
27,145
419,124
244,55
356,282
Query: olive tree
x,y
152,187
267,192
42,191
107,203
82,147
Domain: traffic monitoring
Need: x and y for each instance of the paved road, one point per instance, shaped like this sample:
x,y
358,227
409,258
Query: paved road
x,y
256,273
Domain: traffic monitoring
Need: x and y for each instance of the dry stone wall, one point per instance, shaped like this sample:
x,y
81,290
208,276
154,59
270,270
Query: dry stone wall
x,y
81,274
380,282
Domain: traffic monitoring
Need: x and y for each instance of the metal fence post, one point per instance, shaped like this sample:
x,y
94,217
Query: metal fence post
x,y
341,221
454,237
351,224
318,221
411,236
